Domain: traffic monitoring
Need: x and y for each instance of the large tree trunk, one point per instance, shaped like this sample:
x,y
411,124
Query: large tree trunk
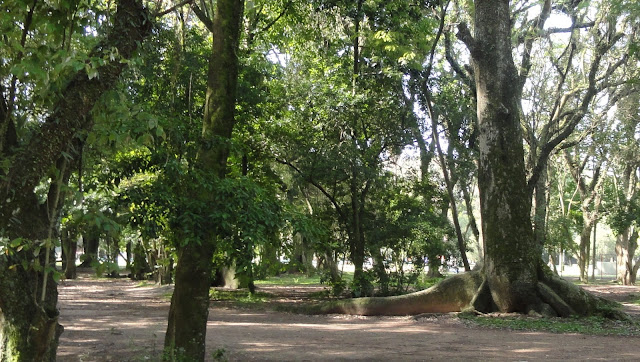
x,y
29,326
187,326
511,256
434,263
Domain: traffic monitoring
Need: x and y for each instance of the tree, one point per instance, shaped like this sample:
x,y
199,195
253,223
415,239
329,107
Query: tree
x,y
513,278
29,324
624,217
575,72
187,325
449,105
347,117
590,196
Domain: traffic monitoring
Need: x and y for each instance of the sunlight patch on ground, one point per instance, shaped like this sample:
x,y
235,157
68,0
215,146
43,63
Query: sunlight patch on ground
x,y
531,350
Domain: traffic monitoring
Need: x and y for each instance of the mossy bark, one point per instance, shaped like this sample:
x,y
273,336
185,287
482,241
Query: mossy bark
x,y
511,255
471,291
29,328
187,325
451,295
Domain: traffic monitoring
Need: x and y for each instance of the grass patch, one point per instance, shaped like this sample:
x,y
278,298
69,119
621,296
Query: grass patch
x,y
298,279
426,283
589,325
239,297
290,279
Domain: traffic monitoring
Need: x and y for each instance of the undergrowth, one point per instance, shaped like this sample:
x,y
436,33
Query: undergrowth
x,y
239,297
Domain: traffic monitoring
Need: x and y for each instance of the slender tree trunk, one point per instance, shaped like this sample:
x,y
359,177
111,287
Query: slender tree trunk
x,y
70,246
187,327
472,219
632,270
452,200
129,254
593,252
540,209
583,256
357,241
626,240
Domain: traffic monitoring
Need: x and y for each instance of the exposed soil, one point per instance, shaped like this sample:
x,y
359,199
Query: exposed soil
x,y
119,320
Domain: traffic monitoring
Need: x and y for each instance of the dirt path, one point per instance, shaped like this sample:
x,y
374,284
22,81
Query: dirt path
x,y
117,320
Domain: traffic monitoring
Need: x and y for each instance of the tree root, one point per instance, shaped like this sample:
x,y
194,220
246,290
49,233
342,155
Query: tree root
x,y
450,295
470,292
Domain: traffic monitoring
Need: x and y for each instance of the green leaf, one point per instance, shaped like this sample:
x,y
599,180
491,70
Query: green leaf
x,y
91,71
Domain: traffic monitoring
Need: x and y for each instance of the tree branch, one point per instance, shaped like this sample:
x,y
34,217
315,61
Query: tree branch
x,y
332,199
464,35
436,40
274,21
461,72
570,29
206,20
167,11
525,65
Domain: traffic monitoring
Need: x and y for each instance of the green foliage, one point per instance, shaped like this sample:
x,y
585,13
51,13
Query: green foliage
x,y
27,255
338,286
219,354
625,214
105,267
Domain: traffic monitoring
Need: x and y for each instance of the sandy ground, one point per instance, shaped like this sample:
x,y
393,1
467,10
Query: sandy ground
x,y
118,320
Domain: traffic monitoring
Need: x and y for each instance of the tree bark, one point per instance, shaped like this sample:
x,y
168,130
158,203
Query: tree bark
x,y
70,247
540,209
90,244
584,253
187,325
622,252
360,286
511,256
